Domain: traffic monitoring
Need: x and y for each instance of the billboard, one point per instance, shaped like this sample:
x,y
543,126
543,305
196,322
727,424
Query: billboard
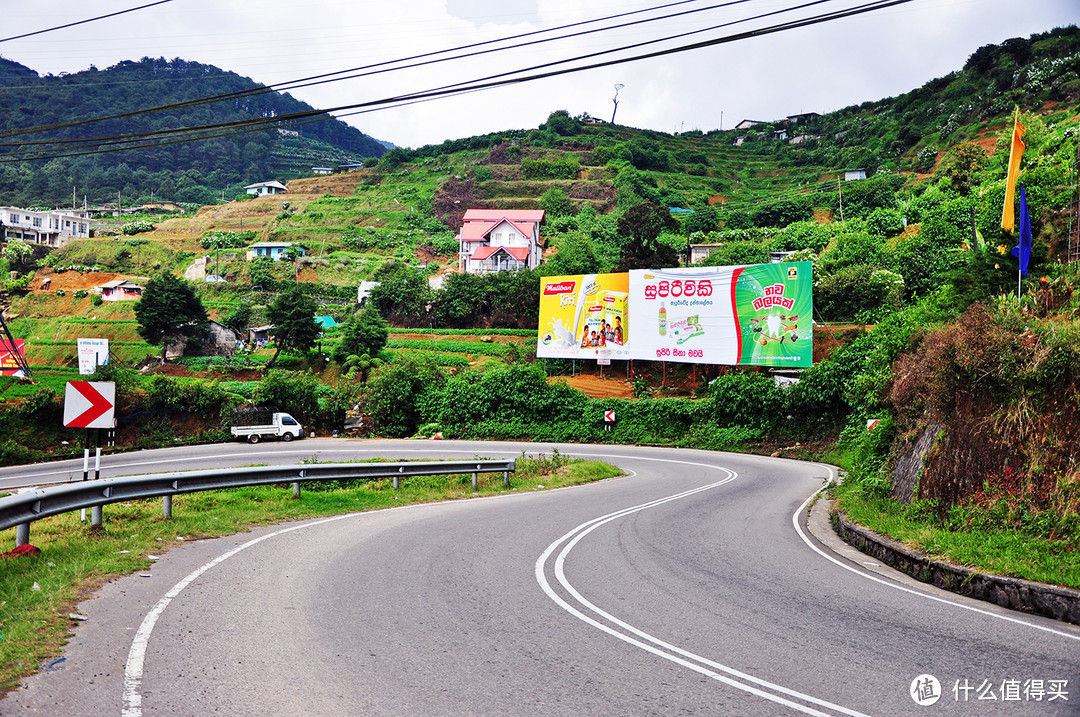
x,y
584,316
11,356
758,315
92,353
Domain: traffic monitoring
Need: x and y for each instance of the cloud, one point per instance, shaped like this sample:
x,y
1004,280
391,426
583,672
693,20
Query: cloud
x,y
820,68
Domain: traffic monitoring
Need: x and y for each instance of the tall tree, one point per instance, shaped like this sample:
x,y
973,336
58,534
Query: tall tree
x,y
293,317
364,333
642,224
170,311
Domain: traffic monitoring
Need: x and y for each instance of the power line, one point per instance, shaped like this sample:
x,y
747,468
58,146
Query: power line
x,y
83,22
323,78
89,141
504,79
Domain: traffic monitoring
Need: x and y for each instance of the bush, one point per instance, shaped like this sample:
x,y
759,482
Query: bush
x,y
291,391
746,398
885,222
738,253
400,395
564,168
137,227
168,396
855,292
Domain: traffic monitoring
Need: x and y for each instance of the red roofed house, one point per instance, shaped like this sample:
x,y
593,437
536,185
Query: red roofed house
x,y
500,240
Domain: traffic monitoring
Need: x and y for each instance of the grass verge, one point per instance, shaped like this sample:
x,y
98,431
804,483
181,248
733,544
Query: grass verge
x,y
1002,551
37,593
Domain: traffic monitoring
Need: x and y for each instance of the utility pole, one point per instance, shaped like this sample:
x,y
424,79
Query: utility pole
x,y
616,101
840,194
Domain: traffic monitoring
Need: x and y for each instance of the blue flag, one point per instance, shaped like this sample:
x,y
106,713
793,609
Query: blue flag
x,y
1022,251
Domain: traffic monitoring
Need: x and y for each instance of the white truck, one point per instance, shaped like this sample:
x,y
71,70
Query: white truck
x,y
255,425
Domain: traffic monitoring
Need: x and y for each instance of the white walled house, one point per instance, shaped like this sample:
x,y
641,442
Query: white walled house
x,y
263,188
119,290
53,228
500,240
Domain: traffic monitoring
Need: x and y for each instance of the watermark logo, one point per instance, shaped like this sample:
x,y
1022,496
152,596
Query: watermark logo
x,y
925,690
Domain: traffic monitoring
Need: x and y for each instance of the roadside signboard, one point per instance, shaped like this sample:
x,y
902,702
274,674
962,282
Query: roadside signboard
x,y
584,317
92,353
90,404
756,315
10,356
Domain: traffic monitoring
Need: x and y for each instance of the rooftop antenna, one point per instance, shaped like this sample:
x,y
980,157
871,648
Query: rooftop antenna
x,y
616,101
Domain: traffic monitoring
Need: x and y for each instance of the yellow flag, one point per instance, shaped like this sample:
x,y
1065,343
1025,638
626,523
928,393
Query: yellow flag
x,y
1008,216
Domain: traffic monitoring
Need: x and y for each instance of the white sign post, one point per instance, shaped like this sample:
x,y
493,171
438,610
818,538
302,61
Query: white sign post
x,y
92,353
89,404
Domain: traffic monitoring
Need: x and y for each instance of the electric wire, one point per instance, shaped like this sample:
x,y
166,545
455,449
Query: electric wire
x,y
288,85
83,22
500,79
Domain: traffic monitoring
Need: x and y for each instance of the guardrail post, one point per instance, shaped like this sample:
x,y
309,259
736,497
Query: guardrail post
x,y
22,534
166,507
396,481
474,481
95,516
296,489
506,478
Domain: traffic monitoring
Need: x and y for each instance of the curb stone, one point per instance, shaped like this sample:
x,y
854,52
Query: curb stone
x,y
1013,593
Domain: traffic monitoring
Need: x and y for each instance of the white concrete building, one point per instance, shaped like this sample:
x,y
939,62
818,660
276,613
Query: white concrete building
x,y
264,188
54,228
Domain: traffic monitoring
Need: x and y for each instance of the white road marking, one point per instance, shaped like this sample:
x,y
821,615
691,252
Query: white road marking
x,y
133,669
653,645
904,588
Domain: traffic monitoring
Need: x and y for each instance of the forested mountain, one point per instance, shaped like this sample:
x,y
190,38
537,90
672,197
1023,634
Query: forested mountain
x,y
187,172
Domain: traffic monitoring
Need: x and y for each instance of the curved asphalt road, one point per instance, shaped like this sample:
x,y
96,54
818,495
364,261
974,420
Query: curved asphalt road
x,y
685,587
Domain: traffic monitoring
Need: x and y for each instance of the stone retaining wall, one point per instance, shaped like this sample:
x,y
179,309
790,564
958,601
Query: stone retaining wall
x,y
1023,595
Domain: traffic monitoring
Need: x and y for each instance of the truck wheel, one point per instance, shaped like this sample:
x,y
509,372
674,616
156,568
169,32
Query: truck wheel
x,y
286,437
253,438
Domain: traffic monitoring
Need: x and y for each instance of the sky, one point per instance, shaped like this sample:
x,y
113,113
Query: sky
x,y
819,68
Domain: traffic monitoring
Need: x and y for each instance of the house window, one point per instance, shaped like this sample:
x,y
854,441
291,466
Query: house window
x,y
82,228
37,221
14,218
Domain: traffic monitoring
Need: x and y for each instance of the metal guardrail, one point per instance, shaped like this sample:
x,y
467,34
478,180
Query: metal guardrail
x,y
21,509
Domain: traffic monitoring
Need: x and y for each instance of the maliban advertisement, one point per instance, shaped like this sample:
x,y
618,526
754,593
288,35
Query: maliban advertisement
x,y
758,315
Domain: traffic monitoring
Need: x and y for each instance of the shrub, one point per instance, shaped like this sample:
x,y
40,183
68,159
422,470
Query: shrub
x,y
564,168
169,397
137,227
746,398
857,291
738,253
292,391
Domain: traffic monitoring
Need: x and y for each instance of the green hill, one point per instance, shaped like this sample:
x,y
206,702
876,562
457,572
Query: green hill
x,y
971,386
58,109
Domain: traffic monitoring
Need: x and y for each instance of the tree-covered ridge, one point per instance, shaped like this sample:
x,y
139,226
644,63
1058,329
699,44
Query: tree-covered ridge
x,y
188,172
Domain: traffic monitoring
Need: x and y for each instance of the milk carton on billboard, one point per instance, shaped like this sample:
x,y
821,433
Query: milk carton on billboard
x,y
582,316
615,312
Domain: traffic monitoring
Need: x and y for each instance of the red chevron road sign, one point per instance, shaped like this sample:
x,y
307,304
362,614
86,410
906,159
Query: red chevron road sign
x,y
90,404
